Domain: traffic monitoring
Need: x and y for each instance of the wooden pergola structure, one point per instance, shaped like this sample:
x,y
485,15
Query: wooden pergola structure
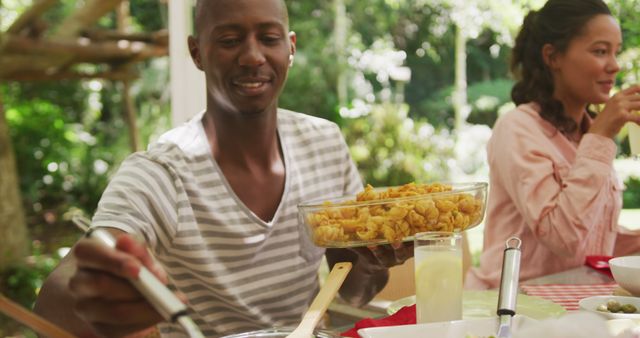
x,y
32,49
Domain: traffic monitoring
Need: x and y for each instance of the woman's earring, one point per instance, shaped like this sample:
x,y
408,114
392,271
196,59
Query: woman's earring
x,y
290,60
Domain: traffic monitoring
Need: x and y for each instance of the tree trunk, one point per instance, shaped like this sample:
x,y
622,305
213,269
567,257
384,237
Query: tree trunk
x,y
460,105
13,228
340,30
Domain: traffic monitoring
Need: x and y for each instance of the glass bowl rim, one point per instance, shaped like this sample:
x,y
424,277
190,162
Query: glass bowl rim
x,y
462,188
283,330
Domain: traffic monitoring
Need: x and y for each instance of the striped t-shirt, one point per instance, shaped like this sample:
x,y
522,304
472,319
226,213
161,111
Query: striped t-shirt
x,y
239,272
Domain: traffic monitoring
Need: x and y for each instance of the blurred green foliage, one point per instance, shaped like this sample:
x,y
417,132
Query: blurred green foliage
x,y
485,98
631,194
397,150
21,284
69,136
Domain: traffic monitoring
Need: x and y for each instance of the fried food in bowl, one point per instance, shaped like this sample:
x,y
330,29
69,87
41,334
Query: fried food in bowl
x,y
386,215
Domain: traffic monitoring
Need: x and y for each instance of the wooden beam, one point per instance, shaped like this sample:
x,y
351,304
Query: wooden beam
x,y
28,16
17,63
32,76
82,50
160,37
85,17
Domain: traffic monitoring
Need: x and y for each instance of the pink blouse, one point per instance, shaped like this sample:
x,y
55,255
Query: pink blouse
x,y
561,199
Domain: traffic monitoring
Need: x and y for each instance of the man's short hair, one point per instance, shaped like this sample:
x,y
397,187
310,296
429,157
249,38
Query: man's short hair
x,y
201,6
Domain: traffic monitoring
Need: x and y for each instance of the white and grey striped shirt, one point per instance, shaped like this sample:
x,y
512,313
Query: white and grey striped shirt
x,y
239,272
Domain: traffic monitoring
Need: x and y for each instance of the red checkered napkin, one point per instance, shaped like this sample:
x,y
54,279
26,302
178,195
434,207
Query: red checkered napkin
x,y
568,295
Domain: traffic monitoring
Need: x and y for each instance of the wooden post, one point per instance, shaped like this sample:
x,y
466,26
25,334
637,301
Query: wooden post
x,y
129,107
130,116
123,13
340,31
459,98
13,226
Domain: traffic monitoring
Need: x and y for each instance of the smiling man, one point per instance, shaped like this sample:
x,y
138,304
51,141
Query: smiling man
x,y
215,200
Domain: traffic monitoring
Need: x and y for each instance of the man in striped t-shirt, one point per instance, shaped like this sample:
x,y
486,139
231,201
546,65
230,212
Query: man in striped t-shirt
x,y
215,200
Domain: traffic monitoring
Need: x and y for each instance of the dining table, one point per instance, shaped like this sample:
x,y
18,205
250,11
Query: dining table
x,y
568,287
564,288
580,275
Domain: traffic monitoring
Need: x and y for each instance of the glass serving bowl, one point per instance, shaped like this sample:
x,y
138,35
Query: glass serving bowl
x,y
282,332
386,215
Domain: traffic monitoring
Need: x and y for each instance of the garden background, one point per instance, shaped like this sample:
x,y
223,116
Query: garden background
x,y
415,85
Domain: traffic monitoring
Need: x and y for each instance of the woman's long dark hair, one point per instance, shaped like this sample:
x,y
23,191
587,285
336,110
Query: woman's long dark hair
x,y
557,23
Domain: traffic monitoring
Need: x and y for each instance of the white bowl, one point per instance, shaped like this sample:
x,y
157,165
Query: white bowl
x,y
619,326
483,327
626,272
591,304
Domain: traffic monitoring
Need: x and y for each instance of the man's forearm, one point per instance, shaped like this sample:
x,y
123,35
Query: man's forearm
x,y
55,304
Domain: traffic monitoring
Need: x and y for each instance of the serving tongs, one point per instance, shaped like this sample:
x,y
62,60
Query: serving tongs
x,y
508,295
160,297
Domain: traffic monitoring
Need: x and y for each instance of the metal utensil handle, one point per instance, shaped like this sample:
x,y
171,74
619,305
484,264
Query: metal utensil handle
x,y
162,299
510,276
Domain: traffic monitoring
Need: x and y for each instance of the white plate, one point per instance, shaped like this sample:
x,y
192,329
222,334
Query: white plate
x,y
591,304
483,304
454,329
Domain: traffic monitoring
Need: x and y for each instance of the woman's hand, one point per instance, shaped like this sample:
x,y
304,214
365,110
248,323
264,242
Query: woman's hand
x,y
620,109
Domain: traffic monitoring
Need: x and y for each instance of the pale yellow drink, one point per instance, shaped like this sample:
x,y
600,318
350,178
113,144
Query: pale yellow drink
x,y
438,273
634,139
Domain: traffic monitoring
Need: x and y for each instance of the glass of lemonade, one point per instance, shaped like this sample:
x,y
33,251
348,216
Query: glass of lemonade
x,y
634,140
438,274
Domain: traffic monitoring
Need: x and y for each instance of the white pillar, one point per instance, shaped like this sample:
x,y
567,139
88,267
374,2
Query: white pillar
x,y
187,82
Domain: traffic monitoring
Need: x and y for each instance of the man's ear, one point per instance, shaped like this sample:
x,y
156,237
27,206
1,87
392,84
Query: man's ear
x,y
194,50
292,40
549,56
292,43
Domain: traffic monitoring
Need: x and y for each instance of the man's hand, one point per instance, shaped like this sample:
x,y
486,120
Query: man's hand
x,y
370,271
384,256
104,298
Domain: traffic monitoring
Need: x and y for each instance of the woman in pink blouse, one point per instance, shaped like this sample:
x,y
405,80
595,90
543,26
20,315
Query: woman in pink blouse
x,y
552,181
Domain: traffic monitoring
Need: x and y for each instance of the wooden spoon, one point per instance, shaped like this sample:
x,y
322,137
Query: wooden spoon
x,y
30,319
320,304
